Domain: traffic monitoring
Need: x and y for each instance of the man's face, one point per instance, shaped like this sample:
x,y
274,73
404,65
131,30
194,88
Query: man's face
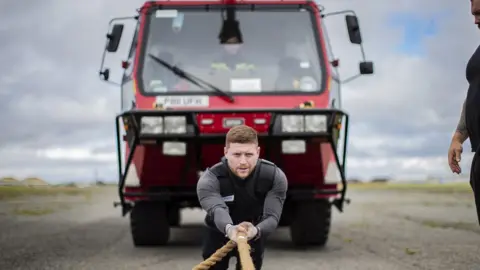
x,y
242,158
475,9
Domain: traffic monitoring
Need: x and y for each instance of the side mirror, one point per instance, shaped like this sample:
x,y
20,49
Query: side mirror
x,y
366,68
105,74
114,37
353,29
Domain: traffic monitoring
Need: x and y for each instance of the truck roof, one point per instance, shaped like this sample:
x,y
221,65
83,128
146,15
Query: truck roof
x,y
200,2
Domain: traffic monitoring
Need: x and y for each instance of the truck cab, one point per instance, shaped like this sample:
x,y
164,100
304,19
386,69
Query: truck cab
x,y
197,68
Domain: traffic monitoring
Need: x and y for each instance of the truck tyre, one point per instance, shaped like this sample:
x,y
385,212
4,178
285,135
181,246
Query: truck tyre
x,y
287,212
311,223
174,217
149,224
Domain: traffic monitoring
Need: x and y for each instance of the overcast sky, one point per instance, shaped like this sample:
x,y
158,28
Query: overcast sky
x,y
58,117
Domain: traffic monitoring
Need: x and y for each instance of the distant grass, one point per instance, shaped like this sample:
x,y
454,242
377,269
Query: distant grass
x,y
33,212
421,187
40,209
10,192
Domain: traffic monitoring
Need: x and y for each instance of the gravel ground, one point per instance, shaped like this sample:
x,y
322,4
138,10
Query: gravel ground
x,y
379,230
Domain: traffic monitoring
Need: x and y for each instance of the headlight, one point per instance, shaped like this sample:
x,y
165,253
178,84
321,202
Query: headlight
x,y
175,124
294,147
174,148
151,125
315,123
168,125
304,123
292,123
231,122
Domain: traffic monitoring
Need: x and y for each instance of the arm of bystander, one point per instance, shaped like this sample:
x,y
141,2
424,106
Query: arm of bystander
x,y
455,150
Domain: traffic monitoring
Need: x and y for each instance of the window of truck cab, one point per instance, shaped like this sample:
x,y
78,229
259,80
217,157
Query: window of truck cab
x,y
280,54
128,95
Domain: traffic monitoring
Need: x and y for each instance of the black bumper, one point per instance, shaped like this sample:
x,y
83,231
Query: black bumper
x,y
132,119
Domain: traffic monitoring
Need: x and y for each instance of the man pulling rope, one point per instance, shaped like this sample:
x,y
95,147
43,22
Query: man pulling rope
x,y
243,196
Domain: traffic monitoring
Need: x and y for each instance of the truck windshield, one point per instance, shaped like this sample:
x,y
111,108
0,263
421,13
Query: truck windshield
x,y
277,52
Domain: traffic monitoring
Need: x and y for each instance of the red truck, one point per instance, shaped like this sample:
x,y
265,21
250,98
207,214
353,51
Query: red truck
x,y
197,68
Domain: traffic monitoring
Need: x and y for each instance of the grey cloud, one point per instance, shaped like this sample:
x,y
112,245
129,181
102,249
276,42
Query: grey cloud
x,y
50,85
417,101
428,106
51,96
43,163
403,146
24,162
105,149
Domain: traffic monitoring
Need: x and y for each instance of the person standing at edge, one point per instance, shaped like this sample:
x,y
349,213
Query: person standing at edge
x,y
469,123
241,193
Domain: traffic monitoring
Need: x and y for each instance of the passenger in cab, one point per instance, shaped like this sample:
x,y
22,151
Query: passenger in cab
x,y
163,79
295,74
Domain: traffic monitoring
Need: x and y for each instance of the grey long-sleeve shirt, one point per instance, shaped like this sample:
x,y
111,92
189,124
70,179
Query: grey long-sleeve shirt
x,y
208,192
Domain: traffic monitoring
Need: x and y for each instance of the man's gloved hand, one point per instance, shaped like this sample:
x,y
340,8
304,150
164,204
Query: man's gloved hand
x,y
233,230
251,230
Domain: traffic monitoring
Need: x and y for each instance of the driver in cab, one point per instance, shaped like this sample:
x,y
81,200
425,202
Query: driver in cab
x,y
232,58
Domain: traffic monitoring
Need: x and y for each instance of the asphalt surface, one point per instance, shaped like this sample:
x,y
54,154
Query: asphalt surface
x,y
378,230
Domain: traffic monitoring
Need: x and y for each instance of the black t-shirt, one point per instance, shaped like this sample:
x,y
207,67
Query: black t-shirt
x,y
472,104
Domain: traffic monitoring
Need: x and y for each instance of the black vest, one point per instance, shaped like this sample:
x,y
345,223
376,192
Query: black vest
x,y
472,103
244,198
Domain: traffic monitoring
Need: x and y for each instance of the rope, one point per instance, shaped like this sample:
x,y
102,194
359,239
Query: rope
x,y
243,250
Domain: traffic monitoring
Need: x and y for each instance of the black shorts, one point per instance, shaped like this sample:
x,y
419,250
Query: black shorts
x,y
214,240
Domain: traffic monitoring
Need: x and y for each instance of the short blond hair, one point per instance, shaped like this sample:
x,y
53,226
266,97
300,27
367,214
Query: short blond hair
x,y
241,134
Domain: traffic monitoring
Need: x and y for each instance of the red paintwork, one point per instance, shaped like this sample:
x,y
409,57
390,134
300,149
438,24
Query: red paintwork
x,y
217,125
155,169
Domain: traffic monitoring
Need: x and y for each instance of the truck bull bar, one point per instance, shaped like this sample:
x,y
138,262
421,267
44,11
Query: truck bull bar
x,y
134,137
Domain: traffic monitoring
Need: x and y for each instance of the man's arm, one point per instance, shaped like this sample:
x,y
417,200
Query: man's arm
x,y
461,133
273,207
208,192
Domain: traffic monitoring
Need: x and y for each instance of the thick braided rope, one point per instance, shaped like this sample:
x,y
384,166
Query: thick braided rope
x,y
243,250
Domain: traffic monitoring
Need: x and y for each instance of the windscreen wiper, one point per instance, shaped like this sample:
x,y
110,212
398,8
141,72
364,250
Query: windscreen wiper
x,y
193,79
